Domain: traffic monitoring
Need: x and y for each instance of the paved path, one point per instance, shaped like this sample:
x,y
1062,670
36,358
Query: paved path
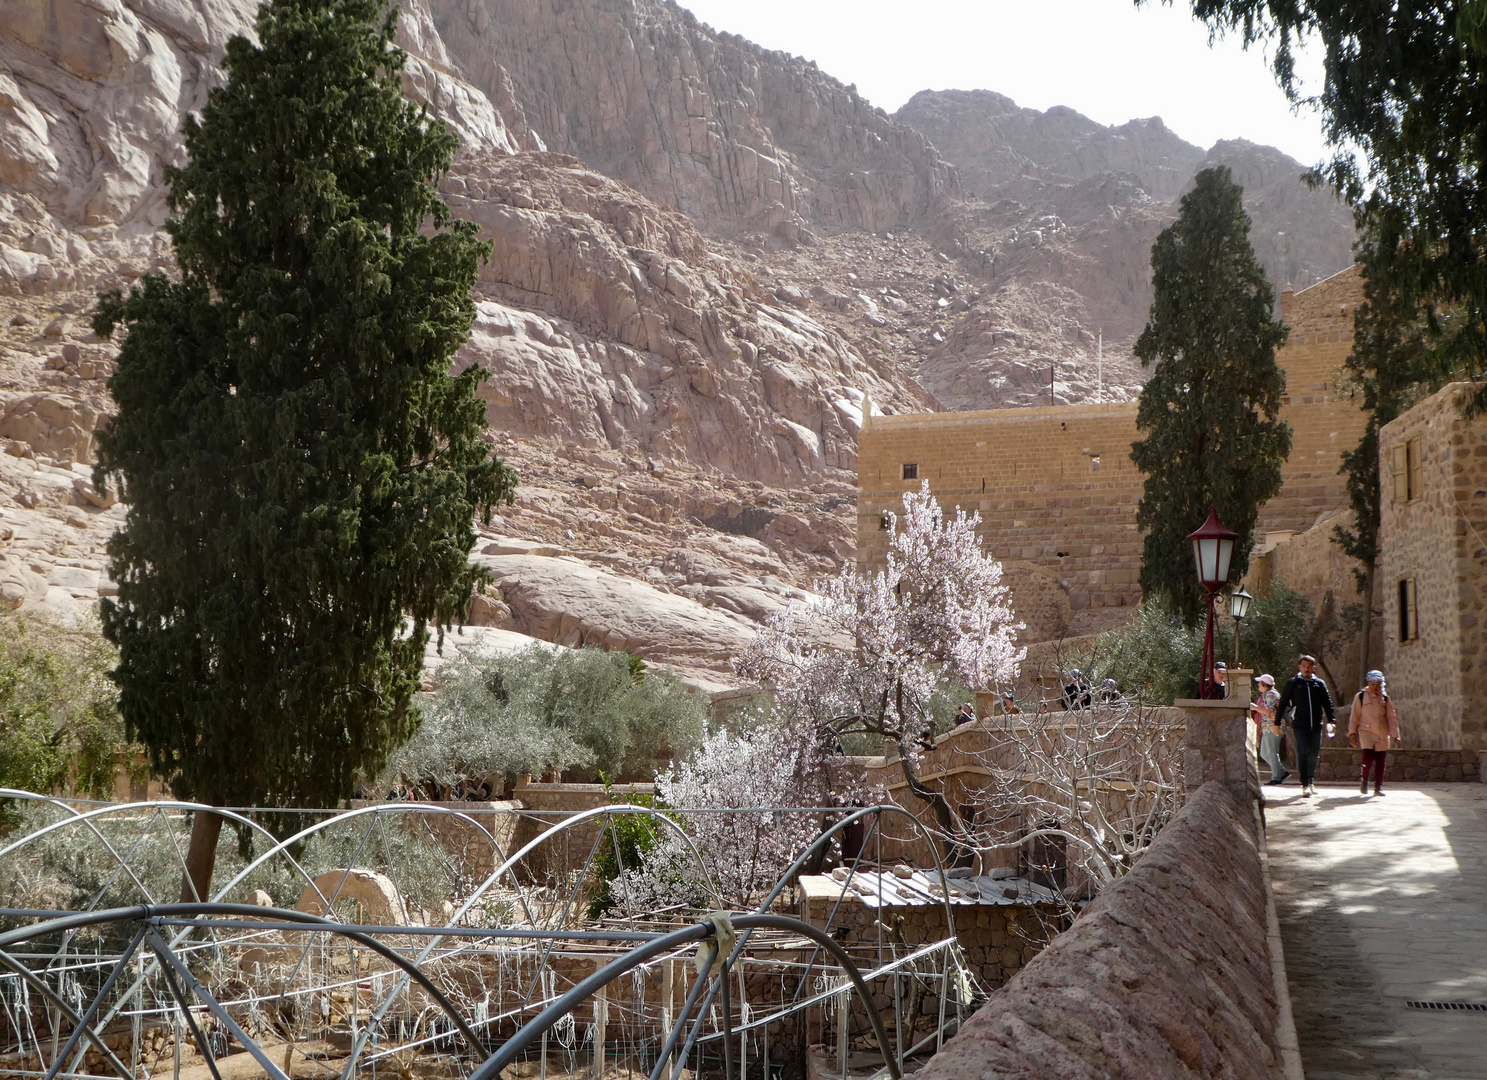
x,y
1383,901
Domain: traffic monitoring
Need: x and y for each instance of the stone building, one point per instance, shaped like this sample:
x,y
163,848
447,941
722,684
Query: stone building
x,y
1057,490
1433,566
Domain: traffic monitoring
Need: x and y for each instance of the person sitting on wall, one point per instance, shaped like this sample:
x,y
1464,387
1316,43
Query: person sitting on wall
x,y
1220,687
1009,704
1077,692
965,715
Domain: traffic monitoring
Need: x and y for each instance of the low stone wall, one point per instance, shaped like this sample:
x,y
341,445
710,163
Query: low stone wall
x,y
1406,766
1166,974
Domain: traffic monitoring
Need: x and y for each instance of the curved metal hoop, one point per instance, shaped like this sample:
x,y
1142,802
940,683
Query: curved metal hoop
x,y
549,1016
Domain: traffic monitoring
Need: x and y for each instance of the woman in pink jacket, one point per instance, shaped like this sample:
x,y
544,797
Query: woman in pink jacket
x,y
1372,725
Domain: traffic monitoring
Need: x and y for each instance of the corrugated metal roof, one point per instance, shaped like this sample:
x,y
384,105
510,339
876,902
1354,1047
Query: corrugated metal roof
x,y
886,888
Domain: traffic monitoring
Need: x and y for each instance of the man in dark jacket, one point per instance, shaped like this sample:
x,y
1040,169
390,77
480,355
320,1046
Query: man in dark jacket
x,y
1308,695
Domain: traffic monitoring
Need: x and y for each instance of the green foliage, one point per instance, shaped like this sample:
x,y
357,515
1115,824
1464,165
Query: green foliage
x,y
1404,100
636,833
59,719
1155,657
539,710
301,469
1209,408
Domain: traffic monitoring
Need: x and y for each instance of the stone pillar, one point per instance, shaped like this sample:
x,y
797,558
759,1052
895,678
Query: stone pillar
x,y
1220,745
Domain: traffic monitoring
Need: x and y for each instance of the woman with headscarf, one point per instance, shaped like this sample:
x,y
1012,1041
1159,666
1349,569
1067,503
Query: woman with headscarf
x,y
1263,710
1371,727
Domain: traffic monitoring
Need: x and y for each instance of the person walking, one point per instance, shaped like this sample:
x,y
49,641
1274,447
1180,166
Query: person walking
x,y
1372,724
1269,727
1310,706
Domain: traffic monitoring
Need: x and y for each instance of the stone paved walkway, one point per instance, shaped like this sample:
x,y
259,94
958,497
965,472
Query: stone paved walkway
x,y
1383,901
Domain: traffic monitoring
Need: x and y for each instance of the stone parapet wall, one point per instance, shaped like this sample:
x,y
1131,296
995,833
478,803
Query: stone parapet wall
x,y
1403,766
1166,974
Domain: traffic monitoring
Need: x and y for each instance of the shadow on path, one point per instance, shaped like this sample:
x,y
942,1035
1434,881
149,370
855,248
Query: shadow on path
x,y
1383,901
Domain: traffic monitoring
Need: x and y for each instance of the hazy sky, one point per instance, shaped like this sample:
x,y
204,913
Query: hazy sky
x,y
1105,58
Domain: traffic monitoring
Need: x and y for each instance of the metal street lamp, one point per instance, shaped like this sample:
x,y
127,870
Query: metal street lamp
x,y
1213,550
1239,602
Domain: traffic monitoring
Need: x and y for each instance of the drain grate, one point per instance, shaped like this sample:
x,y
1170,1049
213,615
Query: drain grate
x,y
1452,1006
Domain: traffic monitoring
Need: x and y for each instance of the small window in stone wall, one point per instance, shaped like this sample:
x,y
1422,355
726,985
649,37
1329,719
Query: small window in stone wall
x,y
1408,472
1094,463
911,470
1409,612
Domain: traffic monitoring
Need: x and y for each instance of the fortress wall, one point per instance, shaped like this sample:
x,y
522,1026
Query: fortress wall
x,y
1325,423
1055,487
1057,491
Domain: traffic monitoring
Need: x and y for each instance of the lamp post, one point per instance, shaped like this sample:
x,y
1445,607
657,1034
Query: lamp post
x,y
1213,550
1239,602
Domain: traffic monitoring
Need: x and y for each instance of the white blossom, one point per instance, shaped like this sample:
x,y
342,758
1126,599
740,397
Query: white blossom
x,y
745,852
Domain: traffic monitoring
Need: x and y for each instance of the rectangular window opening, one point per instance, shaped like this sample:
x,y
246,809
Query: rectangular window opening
x,y
911,470
1409,613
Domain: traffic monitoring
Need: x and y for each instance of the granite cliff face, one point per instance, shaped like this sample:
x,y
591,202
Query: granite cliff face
x,y
708,259
737,137
1062,213
993,141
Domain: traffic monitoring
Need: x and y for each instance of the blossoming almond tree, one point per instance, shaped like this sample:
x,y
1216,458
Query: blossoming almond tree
x,y
867,657
733,779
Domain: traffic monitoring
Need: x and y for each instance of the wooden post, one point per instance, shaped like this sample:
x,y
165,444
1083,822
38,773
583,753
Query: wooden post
x,y
843,1009
601,1023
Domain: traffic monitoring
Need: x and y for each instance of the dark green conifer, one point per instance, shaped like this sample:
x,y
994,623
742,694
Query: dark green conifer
x,y
302,471
1209,408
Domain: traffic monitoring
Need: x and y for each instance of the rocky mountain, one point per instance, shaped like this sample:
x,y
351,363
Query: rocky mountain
x,y
737,137
993,141
707,258
1062,212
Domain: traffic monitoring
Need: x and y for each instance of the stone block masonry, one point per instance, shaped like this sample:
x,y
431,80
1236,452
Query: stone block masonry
x,y
1166,974
1057,490
1433,521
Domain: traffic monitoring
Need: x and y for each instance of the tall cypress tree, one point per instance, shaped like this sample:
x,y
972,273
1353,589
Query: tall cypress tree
x,y
302,471
1209,408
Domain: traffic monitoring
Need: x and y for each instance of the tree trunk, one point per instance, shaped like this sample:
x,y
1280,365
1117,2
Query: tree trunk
x,y
201,857
1363,646
944,815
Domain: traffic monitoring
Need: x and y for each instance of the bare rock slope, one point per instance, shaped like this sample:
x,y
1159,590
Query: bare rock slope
x,y
1061,212
707,259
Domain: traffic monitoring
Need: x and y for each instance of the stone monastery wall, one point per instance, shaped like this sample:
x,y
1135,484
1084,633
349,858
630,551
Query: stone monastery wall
x,y
1433,539
1056,488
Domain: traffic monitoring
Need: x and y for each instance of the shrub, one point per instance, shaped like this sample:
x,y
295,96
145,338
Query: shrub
x,y
1155,658
539,710
59,717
